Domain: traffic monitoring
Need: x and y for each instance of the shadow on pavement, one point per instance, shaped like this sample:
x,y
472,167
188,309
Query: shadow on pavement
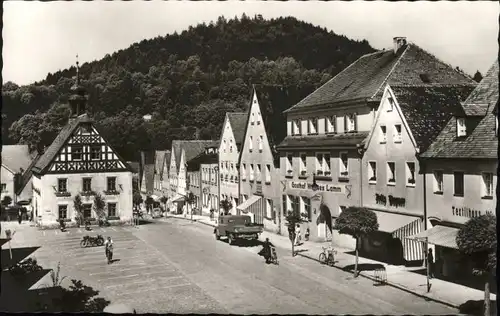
x,y
18,254
246,243
115,260
3,241
365,267
145,221
472,282
301,250
477,307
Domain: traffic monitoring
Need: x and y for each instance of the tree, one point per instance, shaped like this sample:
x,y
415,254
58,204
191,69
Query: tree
x,y
137,199
293,218
78,206
477,76
79,298
358,222
6,200
99,205
226,206
478,239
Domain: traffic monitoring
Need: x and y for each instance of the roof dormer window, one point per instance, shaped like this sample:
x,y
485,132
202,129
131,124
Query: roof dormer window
x,y
461,128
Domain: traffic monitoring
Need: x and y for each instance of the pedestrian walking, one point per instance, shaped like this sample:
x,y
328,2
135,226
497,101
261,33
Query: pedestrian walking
x,y
297,235
20,217
109,250
430,262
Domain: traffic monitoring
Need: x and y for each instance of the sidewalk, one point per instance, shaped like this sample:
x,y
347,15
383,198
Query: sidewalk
x,y
400,277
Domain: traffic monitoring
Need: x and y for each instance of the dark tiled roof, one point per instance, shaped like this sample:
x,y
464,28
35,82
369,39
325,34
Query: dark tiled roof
x,y
160,161
480,141
485,94
428,109
335,140
192,148
365,79
273,101
202,158
63,136
16,157
238,123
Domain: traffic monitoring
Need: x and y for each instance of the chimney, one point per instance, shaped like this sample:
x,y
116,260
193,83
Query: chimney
x,y
399,42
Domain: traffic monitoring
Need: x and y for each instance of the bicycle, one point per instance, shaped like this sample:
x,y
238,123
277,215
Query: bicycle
x,y
327,256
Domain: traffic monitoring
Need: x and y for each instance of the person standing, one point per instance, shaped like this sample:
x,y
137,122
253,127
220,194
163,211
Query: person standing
x,y
109,249
20,217
430,262
297,235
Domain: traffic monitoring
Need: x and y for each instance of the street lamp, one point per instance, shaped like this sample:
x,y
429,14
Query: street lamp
x,y
426,241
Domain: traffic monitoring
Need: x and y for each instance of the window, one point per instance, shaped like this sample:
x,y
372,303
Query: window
x,y
344,165
391,104
487,184
313,126
372,172
261,143
111,209
331,125
342,209
461,129
438,181
87,184
323,164
296,127
62,185
458,178
63,211
410,174
383,134
305,211
4,187
397,133
95,152
289,164
87,210
269,208
230,149
259,173
268,173
391,173
253,119
350,121
111,184
77,152
303,164
250,146
251,173
244,172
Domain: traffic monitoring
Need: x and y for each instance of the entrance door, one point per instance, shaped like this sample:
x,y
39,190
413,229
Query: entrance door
x,y
87,210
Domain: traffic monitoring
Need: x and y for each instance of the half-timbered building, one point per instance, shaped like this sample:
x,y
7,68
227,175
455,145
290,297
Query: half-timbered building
x,y
80,162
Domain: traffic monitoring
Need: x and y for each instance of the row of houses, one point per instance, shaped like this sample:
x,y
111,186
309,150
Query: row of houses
x,y
398,131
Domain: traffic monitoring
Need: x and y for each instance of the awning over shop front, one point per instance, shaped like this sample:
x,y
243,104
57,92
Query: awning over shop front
x,y
248,203
390,222
178,198
439,235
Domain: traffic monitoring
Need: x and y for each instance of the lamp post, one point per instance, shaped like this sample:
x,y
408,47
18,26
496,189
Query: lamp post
x,y
426,241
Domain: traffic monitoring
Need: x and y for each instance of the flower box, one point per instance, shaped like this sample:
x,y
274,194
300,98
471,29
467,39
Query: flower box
x,y
392,180
62,194
112,192
87,193
319,172
411,180
303,172
344,173
328,173
289,171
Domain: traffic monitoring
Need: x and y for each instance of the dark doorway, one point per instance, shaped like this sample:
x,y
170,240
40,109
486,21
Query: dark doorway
x,y
326,216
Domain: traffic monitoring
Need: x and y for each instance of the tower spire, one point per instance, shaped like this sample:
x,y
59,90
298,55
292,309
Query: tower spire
x,y
77,71
78,99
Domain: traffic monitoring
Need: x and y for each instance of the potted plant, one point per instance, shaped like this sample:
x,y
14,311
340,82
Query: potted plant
x,y
328,173
344,173
303,172
319,172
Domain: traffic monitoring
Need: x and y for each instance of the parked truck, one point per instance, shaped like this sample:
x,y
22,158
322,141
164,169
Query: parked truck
x,y
234,227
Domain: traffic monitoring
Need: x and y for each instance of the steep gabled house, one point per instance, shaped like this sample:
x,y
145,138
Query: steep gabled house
x,y
233,131
183,151
160,156
461,174
80,162
203,177
16,173
148,173
260,187
408,119
326,131
165,178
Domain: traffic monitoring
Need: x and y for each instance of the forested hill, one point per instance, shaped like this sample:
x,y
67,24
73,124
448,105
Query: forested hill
x,y
185,81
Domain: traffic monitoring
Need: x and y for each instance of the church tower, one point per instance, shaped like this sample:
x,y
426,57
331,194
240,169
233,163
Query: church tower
x,y
78,98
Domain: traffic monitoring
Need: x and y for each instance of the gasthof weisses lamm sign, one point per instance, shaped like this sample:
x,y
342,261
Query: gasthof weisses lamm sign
x,y
322,187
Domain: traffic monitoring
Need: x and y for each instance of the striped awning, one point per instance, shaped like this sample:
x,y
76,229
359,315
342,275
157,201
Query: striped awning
x,y
439,235
245,205
390,222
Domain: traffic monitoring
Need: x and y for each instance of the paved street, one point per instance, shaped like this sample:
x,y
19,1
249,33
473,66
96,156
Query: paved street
x,y
177,266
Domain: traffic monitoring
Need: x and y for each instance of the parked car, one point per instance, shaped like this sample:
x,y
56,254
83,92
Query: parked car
x,y
236,227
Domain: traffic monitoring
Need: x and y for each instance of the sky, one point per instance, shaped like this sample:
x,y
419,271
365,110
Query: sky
x,y
43,37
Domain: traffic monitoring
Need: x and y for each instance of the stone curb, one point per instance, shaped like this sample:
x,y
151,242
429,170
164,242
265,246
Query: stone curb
x,y
395,285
